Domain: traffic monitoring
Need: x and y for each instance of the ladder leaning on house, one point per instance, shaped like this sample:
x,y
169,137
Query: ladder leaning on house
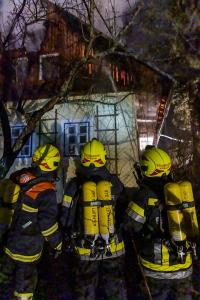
x,y
103,130
49,135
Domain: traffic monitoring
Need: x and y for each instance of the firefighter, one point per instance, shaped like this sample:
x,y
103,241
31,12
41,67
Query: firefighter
x,y
91,220
34,221
156,217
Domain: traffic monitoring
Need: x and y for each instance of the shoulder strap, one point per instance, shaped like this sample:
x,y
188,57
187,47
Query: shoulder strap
x,y
25,187
38,188
72,210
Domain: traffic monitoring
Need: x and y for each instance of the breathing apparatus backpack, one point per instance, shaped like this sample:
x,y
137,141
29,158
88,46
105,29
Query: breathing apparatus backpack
x,y
9,194
181,213
98,216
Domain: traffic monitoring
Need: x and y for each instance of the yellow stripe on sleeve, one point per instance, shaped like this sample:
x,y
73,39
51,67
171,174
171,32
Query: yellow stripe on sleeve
x,y
50,230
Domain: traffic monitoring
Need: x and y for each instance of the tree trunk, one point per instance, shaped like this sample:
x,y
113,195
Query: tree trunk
x,y
194,93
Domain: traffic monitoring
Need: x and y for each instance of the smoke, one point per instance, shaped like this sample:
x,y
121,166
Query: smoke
x,y
6,7
108,17
22,35
112,12
4,10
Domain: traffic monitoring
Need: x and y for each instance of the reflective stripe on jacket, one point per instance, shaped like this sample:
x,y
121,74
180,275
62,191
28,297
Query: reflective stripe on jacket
x,y
117,249
34,221
177,271
149,219
73,222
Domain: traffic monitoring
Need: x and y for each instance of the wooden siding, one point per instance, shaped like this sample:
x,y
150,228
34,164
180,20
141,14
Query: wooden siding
x,y
64,37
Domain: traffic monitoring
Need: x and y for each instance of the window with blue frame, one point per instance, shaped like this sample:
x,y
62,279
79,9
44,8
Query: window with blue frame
x,y
76,134
26,150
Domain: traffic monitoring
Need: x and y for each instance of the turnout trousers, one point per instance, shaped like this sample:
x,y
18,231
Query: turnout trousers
x,y
18,276
170,289
99,279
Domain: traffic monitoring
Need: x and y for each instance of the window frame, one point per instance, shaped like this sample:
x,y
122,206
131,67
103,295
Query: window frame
x,y
17,60
41,57
20,155
77,134
144,141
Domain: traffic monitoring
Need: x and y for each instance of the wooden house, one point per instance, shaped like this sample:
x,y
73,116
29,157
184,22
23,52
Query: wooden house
x,y
111,98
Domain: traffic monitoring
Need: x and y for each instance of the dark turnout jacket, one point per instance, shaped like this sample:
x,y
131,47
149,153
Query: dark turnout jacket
x,y
34,219
72,211
147,215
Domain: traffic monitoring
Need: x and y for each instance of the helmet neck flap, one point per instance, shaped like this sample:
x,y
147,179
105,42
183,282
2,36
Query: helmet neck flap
x,y
92,173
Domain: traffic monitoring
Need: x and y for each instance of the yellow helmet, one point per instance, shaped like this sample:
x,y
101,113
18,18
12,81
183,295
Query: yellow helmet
x,y
155,162
46,157
93,153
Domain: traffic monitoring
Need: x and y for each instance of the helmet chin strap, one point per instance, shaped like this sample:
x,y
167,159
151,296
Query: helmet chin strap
x,y
163,179
38,162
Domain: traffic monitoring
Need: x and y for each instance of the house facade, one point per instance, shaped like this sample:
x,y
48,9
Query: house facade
x,y
75,121
105,101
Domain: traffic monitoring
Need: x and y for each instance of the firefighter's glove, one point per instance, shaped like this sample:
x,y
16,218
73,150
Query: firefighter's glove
x,y
54,254
69,240
57,254
148,232
69,244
